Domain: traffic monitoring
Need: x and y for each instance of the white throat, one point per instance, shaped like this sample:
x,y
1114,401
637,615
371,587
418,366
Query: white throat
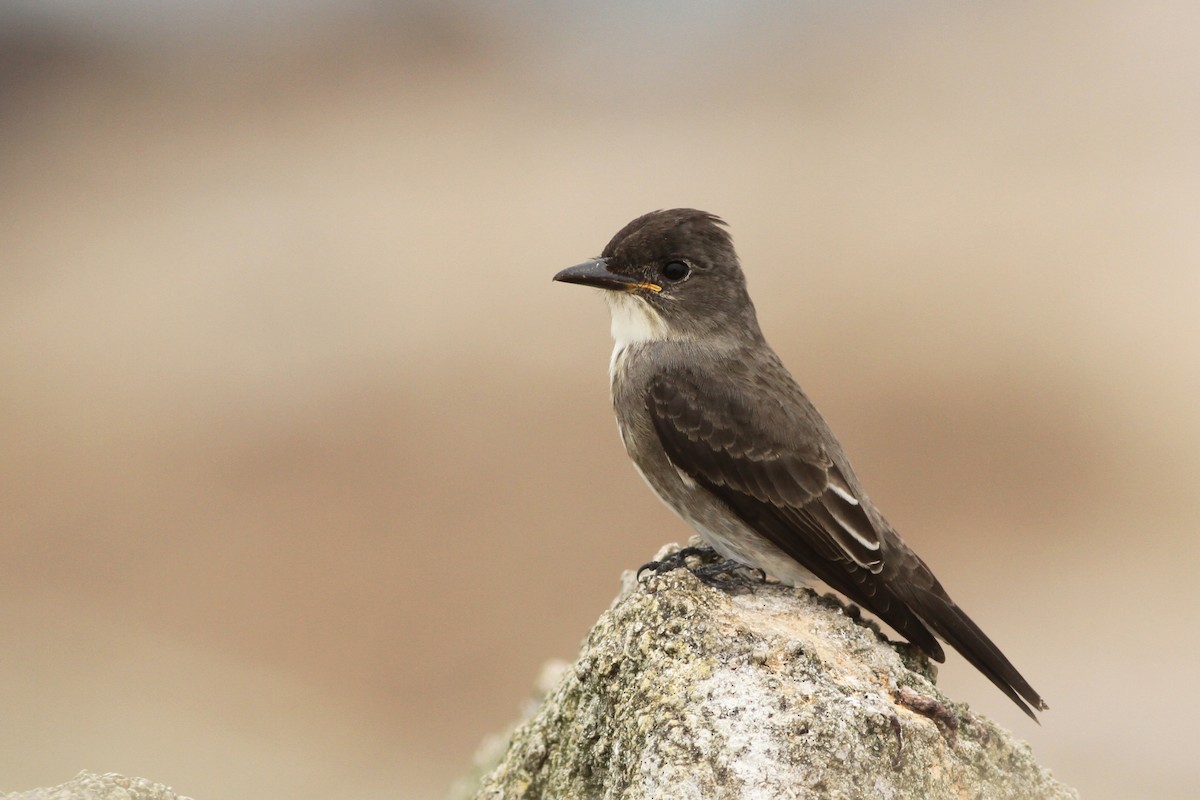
x,y
633,320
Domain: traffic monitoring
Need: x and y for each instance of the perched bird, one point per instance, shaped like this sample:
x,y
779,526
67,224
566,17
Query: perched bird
x,y
724,435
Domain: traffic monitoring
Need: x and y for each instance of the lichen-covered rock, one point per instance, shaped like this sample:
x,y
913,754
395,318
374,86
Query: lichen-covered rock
x,y
90,786
682,690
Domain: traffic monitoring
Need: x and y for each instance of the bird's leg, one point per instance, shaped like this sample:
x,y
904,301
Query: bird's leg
x,y
675,560
726,567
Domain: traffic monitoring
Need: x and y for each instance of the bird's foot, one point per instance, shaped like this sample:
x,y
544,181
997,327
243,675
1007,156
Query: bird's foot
x,y
675,560
727,572
715,573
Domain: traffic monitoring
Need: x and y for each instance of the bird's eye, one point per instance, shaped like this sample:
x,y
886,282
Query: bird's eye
x,y
675,270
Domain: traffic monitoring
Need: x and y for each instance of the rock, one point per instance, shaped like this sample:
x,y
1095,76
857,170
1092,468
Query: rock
x,y
750,690
90,786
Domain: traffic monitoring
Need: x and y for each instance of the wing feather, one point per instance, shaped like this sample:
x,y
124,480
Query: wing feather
x,y
724,445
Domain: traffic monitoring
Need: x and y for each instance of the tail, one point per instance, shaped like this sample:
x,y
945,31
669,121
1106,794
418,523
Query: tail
x,y
953,626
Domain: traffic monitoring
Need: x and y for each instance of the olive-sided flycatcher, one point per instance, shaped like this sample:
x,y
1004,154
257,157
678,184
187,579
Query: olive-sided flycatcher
x,y
726,438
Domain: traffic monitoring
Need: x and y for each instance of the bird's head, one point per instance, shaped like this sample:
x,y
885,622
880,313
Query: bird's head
x,y
671,275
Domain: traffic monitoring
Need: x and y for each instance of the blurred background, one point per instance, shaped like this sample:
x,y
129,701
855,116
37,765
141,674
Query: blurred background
x,y
306,466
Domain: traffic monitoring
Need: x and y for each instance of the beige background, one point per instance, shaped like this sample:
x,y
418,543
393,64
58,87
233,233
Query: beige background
x,y
306,466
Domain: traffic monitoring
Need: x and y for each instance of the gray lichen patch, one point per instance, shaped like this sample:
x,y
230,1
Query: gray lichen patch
x,y
683,690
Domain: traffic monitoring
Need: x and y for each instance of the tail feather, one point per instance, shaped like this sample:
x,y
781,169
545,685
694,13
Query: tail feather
x,y
955,628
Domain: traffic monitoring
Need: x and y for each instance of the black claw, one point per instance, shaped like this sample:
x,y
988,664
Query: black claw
x,y
730,569
674,560
719,573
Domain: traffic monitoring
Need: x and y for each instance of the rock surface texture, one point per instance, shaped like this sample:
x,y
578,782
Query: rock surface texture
x,y
751,690
90,786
